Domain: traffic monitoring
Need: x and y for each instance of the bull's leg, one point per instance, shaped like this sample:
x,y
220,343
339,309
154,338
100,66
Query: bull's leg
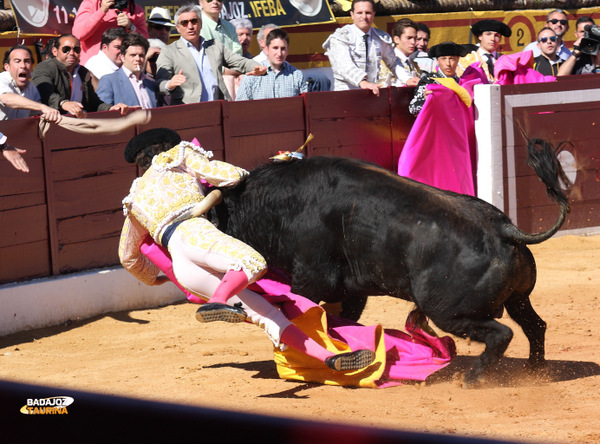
x,y
493,334
353,307
496,337
521,311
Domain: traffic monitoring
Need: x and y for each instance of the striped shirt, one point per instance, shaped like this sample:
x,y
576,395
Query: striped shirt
x,y
288,82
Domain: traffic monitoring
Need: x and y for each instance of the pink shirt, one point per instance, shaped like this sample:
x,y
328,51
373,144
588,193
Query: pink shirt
x,y
91,22
138,87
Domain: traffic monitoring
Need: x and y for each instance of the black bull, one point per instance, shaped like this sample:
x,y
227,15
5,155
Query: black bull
x,y
342,230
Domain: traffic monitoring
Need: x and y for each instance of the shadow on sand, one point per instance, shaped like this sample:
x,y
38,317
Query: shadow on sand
x,y
510,372
513,372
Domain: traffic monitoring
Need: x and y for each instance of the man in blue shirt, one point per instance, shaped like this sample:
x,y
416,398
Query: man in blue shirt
x,y
281,80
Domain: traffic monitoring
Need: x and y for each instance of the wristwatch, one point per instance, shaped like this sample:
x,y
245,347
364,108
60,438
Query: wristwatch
x,y
3,146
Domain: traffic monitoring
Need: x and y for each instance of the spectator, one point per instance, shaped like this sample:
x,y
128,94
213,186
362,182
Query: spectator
x,y
129,84
558,21
489,33
578,62
96,16
419,57
261,38
46,53
13,154
215,28
548,61
405,42
160,25
281,80
19,98
447,55
185,67
65,85
580,25
243,29
156,46
423,37
108,59
357,50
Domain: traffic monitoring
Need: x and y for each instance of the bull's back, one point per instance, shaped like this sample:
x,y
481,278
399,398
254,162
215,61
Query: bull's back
x,y
342,226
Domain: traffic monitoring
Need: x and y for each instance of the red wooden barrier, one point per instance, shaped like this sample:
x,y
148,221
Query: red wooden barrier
x,y
66,216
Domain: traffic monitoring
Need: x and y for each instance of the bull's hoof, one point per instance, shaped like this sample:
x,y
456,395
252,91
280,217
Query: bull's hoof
x,y
473,379
220,312
534,365
350,361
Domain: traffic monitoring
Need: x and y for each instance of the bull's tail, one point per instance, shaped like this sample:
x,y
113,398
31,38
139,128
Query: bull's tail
x,y
542,158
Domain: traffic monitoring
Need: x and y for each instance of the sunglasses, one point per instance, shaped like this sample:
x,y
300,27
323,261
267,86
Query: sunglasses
x,y
68,49
184,23
159,27
545,39
210,1
555,21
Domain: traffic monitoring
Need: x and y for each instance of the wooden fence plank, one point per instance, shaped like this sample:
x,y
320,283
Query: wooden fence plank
x,y
24,261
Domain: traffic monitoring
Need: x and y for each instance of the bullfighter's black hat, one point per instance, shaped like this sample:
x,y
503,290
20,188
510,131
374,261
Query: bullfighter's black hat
x,y
148,138
447,49
481,26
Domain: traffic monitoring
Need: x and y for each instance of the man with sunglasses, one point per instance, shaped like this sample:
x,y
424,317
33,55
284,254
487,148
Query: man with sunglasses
x,y
160,25
558,22
190,69
548,61
65,85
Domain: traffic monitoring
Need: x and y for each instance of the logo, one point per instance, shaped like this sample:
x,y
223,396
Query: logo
x,y
57,405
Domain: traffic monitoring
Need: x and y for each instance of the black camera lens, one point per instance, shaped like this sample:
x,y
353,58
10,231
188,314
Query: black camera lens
x,y
120,5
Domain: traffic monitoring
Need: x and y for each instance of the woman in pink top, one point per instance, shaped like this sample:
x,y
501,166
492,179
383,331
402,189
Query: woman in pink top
x,y
96,16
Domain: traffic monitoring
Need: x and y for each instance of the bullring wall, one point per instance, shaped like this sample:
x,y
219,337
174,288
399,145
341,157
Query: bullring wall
x,y
65,215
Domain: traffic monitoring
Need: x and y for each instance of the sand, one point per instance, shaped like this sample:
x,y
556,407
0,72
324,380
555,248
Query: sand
x,y
164,354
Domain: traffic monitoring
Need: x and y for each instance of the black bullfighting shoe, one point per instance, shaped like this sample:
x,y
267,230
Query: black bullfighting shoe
x,y
350,361
220,312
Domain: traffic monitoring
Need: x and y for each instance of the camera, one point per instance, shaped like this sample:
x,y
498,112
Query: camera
x,y
120,5
590,43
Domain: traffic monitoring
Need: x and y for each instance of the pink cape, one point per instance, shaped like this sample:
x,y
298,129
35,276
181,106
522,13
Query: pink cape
x,y
441,148
412,356
515,69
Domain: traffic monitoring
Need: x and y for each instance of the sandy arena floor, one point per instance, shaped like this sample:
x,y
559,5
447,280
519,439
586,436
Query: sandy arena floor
x,y
165,354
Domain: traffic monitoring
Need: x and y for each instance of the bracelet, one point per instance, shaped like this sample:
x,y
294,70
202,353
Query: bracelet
x,y
61,103
597,69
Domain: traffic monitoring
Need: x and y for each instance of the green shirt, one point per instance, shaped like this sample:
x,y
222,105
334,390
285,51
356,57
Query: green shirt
x,y
222,31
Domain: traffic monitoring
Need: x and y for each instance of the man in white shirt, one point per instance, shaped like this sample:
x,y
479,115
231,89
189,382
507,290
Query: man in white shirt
x,y
108,59
405,41
420,56
558,21
19,98
356,51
